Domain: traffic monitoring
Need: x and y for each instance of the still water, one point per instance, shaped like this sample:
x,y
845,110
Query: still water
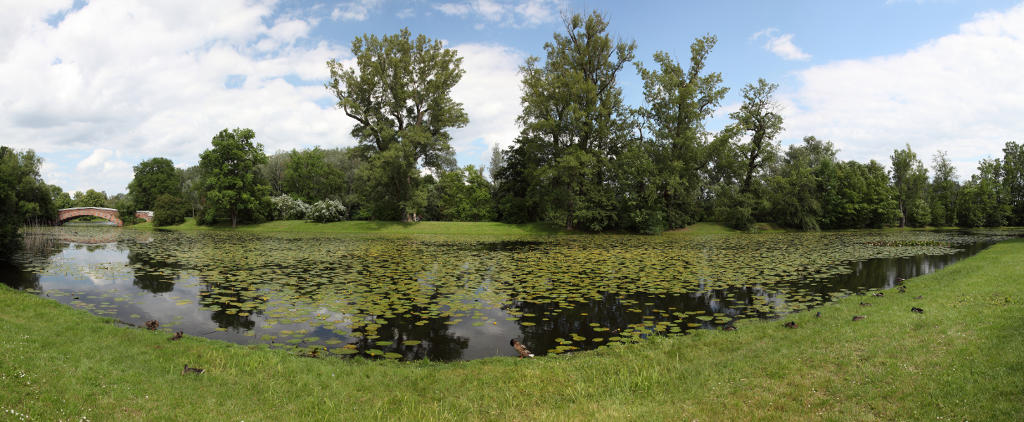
x,y
457,298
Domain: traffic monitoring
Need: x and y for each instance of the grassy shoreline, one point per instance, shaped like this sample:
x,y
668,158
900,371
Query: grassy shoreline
x,y
962,359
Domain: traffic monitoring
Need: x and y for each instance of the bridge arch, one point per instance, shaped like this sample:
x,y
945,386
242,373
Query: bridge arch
x,y
109,214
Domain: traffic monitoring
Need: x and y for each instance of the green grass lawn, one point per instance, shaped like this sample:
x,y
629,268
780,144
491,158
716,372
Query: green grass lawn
x,y
962,359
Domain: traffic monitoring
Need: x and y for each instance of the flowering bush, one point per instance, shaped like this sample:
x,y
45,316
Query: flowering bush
x,y
326,211
287,207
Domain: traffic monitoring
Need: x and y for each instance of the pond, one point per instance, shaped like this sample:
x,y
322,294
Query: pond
x,y
449,298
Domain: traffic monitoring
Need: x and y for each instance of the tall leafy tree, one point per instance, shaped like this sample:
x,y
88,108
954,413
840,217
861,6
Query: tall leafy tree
x,y
1013,181
944,189
909,180
399,94
230,178
24,197
759,118
678,102
154,177
574,123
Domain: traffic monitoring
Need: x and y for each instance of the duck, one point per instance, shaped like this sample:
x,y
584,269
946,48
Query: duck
x,y
898,281
152,324
903,289
865,304
919,297
523,351
791,324
818,315
177,336
916,309
858,317
192,370
729,328
879,294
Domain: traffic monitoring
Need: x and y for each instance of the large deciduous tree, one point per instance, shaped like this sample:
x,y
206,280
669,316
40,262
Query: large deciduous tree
x,y
154,177
230,177
24,197
574,124
759,118
399,94
1013,181
909,180
678,101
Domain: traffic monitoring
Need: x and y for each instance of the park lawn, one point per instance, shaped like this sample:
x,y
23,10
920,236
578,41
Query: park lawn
x,y
962,359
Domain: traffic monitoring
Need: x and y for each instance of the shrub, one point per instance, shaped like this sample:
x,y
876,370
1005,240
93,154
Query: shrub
x,y
168,210
287,207
326,211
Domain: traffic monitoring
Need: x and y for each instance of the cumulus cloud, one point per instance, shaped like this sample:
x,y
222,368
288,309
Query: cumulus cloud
x,y
781,45
523,13
128,80
490,93
960,93
355,10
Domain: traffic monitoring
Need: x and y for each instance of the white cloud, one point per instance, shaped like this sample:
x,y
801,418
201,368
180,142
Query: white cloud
x,y
454,9
960,93
406,13
139,79
518,14
358,10
490,93
781,45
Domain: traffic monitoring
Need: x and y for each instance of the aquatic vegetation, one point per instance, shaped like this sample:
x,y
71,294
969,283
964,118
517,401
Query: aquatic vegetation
x,y
449,298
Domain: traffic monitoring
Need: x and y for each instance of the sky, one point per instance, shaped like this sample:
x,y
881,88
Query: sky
x,y
96,87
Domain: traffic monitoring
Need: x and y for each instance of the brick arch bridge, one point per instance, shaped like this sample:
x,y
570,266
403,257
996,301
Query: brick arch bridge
x,y
109,214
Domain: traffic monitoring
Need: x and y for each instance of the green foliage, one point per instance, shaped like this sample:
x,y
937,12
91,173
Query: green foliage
x,y
287,207
462,194
168,210
944,190
909,180
90,198
982,200
399,94
24,197
758,117
308,176
327,211
678,154
919,214
1013,181
574,122
230,179
154,177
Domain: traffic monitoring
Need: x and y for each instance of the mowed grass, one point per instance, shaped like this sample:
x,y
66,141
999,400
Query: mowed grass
x,y
962,359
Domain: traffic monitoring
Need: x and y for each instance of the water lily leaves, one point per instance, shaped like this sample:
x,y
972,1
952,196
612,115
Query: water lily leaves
x,y
345,287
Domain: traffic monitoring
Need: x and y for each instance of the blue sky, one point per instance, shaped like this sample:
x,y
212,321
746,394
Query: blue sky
x,y
96,87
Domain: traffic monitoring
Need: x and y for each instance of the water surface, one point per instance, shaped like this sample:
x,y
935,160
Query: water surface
x,y
455,298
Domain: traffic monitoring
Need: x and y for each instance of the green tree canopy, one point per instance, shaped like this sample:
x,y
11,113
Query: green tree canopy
x,y
399,94
154,177
230,177
759,117
574,123
308,176
909,180
24,197
90,198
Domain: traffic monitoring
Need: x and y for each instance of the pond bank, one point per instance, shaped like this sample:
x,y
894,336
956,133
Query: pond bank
x,y
963,358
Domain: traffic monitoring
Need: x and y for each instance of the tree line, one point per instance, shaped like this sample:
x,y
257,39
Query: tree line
x,y
583,158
